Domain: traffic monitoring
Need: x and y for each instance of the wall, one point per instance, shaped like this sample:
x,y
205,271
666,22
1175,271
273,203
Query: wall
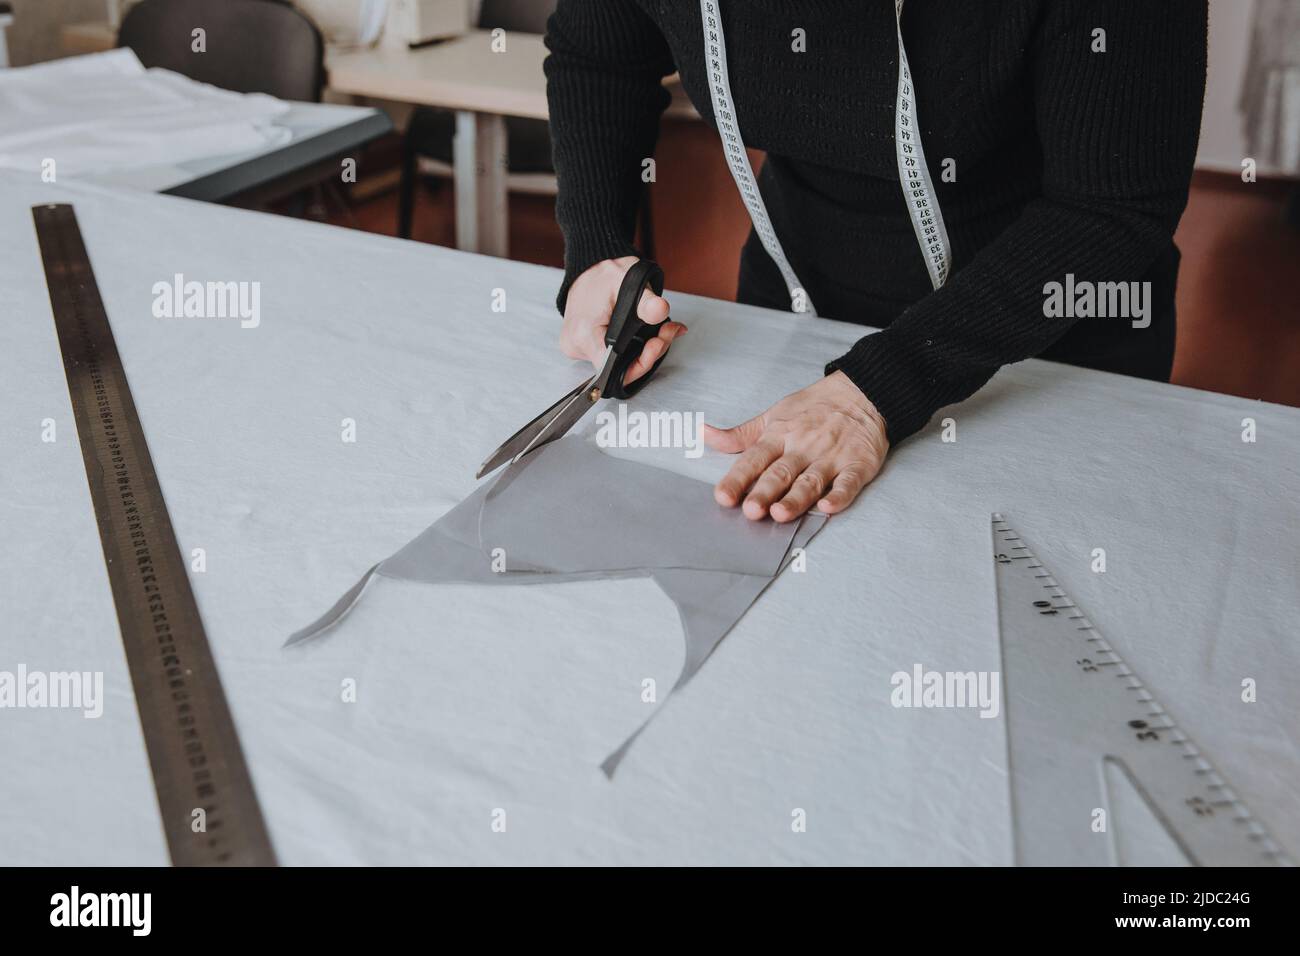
x,y
1222,142
34,35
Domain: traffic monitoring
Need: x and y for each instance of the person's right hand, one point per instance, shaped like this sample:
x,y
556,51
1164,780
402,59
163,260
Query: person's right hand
x,y
588,308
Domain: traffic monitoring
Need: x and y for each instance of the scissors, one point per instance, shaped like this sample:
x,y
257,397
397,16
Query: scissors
x,y
626,336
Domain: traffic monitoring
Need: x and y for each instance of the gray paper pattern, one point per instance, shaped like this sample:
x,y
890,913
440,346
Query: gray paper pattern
x,y
569,512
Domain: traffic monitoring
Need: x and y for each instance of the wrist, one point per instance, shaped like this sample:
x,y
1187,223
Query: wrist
x,y
596,270
848,391
581,257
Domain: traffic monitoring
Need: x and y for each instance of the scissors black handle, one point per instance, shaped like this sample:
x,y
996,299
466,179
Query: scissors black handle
x,y
627,333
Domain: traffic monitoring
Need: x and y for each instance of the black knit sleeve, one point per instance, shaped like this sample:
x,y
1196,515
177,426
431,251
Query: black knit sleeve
x,y
1118,133
604,87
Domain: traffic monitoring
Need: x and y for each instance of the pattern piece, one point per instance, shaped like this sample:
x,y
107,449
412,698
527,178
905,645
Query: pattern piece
x,y
569,512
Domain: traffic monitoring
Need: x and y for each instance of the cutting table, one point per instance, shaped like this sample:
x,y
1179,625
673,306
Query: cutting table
x,y
473,707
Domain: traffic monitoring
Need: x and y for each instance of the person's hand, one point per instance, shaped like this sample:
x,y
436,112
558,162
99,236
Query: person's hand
x,y
588,308
822,445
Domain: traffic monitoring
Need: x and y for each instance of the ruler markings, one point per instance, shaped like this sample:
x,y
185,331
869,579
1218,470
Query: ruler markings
x,y
190,737
1059,740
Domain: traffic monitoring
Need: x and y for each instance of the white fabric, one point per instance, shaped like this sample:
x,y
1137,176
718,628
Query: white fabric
x,y
302,122
1270,90
347,23
472,699
105,111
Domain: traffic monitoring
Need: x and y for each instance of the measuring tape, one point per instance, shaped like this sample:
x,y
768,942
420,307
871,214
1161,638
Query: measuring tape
x,y
1074,709
193,748
913,172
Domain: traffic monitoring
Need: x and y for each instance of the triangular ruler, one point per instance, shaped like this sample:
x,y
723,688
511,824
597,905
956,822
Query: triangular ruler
x,y
1077,715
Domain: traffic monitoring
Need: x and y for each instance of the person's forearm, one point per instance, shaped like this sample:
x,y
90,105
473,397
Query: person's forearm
x,y
991,313
605,95
1118,132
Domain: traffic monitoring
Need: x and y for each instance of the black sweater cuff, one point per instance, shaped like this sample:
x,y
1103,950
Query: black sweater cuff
x,y
882,371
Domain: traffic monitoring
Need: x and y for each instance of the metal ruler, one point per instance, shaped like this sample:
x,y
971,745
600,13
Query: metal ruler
x,y
1076,715
193,748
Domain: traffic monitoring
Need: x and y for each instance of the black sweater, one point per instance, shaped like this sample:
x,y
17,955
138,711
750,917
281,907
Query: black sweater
x,y
1067,161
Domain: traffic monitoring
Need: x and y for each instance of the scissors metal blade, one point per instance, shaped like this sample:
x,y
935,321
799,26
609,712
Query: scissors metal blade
x,y
552,423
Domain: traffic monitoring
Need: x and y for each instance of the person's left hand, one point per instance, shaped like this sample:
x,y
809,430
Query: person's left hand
x,y
822,445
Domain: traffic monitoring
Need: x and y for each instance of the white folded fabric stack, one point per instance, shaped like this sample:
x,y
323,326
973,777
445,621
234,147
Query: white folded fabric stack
x,y
105,111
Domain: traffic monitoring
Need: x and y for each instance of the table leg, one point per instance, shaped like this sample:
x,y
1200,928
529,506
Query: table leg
x,y
480,154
